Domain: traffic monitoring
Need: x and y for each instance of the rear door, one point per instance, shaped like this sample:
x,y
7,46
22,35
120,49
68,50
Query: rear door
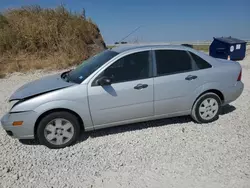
x,y
176,81
130,95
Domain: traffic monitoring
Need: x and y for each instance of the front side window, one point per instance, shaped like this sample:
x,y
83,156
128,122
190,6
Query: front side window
x,y
130,67
172,61
88,66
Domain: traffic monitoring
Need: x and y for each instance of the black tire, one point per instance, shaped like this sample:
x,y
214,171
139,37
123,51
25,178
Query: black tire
x,y
195,110
52,116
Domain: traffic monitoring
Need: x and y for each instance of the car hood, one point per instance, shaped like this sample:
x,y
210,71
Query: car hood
x,y
40,86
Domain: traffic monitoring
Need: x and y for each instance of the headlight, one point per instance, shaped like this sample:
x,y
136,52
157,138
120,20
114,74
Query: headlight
x,y
12,103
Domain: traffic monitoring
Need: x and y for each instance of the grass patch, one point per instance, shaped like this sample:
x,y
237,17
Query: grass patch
x,y
2,75
202,47
111,46
35,38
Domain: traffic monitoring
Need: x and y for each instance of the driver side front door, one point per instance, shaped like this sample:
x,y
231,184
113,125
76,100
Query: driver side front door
x,y
130,95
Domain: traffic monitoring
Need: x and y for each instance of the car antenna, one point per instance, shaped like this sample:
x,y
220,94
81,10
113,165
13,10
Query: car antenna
x,y
128,35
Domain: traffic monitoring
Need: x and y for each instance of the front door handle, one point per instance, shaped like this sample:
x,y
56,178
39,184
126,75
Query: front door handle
x,y
191,77
141,86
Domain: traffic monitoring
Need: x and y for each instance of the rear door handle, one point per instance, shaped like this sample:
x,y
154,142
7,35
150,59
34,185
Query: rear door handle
x,y
141,86
191,77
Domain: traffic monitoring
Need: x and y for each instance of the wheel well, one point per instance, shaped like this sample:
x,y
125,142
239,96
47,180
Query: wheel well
x,y
217,92
57,110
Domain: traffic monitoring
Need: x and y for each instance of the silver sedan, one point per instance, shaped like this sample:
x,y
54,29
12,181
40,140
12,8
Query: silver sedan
x,y
119,86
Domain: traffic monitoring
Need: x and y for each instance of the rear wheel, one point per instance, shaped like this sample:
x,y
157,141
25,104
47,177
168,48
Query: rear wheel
x,y
206,109
58,130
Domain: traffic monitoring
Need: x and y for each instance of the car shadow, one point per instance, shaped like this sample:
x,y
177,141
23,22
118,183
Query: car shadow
x,y
228,108
110,90
29,141
148,124
136,126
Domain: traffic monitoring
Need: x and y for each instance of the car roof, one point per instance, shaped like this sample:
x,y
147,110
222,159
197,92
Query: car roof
x,y
128,47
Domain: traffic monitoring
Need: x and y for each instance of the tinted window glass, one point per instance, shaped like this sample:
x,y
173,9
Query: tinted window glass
x,y
201,63
172,61
131,67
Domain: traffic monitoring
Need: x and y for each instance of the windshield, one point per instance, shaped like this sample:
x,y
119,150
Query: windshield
x,y
88,66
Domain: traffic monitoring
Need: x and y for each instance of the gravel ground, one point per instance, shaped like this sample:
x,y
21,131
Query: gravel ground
x,y
166,153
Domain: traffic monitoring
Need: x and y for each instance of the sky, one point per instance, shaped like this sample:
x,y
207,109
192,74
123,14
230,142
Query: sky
x,y
158,20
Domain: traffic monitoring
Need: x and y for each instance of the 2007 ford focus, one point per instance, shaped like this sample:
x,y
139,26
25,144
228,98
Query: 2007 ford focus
x,y
120,86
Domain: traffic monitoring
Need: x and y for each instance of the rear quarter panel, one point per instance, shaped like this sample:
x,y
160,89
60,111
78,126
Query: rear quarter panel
x,y
222,76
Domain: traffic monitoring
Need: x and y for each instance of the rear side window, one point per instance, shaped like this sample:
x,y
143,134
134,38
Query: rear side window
x,y
201,63
172,62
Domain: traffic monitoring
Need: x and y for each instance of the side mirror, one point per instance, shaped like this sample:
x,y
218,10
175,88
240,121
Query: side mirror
x,y
104,81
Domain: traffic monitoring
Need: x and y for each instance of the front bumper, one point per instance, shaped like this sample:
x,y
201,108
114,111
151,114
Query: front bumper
x,y
26,130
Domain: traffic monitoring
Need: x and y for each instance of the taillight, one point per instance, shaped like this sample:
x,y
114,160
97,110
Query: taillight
x,y
239,77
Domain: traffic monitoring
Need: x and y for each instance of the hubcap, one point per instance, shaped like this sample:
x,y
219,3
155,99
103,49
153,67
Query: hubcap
x,y
208,108
59,131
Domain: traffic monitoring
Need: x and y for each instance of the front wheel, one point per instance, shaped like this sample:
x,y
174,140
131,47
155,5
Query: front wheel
x,y
206,109
58,130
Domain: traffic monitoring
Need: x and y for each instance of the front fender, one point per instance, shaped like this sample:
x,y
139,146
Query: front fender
x,y
81,109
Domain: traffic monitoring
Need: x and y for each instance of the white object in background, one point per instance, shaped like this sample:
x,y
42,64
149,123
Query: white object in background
x,y
238,46
231,48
